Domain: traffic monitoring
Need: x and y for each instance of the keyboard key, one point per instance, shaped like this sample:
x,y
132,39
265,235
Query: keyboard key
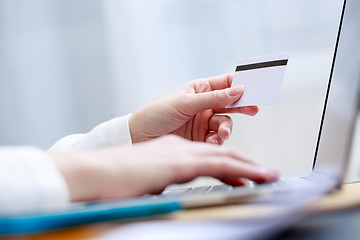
x,y
199,190
176,192
220,188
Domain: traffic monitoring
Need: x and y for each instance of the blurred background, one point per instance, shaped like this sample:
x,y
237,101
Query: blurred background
x,y
68,65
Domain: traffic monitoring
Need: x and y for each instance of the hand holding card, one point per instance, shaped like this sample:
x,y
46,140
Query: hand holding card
x,y
261,78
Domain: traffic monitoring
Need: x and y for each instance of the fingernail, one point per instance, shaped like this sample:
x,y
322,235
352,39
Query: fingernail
x,y
235,91
228,131
214,141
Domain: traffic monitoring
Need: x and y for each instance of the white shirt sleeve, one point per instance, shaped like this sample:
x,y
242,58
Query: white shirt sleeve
x,y
110,133
29,181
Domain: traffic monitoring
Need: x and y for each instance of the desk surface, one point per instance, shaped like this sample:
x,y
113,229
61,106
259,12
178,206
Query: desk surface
x,y
346,198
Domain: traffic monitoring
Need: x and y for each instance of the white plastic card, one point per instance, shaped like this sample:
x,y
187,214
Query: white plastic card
x,y
261,78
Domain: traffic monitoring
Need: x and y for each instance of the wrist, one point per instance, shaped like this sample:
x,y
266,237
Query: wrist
x,y
134,128
79,171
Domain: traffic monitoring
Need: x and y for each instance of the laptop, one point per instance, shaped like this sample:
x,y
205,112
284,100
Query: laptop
x,y
335,134
329,166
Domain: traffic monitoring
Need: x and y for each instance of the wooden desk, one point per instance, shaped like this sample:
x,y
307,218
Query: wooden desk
x,y
347,197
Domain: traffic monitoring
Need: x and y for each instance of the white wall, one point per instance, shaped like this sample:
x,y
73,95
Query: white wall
x,y
54,76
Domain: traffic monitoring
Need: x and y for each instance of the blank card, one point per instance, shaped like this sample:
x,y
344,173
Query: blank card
x,y
261,78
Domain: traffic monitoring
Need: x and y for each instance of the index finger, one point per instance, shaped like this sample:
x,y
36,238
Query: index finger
x,y
228,167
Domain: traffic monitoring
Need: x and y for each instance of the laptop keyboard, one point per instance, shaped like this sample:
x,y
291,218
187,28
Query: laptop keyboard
x,y
197,190
222,188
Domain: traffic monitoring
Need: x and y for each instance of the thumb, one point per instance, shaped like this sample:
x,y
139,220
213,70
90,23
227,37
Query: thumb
x,y
214,99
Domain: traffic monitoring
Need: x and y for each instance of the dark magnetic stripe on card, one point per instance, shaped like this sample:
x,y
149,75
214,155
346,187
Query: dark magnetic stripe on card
x,y
252,66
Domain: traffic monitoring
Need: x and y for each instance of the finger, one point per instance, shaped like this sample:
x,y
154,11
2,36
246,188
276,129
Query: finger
x,y
221,124
243,164
249,110
202,120
219,82
159,190
233,181
191,104
227,167
213,138
221,163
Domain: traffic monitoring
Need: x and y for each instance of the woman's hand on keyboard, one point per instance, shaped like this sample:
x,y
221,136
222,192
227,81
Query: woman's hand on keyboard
x,y
148,167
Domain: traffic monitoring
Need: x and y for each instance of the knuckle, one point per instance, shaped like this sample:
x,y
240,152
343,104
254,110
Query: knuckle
x,y
229,151
171,137
216,94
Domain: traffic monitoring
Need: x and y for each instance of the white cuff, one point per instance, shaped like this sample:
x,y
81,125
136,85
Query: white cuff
x,y
30,182
110,133
117,131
